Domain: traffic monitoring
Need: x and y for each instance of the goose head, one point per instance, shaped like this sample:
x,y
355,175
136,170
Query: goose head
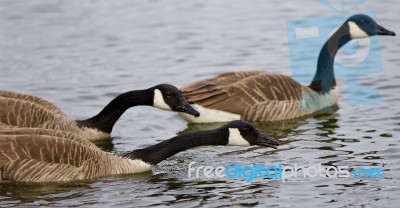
x,y
242,133
362,26
168,97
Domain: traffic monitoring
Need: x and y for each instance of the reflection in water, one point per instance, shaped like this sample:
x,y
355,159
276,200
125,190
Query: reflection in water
x,y
42,194
105,144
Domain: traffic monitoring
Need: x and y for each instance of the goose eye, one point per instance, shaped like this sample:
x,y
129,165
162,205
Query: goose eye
x,y
245,130
168,94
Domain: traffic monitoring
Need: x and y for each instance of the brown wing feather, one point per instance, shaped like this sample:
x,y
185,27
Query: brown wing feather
x,y
34,158
238,92
22,113
7,130
25,114
33,99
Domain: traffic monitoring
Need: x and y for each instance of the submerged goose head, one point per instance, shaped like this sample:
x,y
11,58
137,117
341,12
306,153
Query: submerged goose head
x,y
362,26
168,97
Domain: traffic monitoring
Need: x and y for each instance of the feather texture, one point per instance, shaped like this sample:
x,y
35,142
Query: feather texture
x,y
33,99
9,130
26,113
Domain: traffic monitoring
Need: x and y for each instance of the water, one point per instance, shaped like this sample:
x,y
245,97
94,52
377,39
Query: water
x,y
79,55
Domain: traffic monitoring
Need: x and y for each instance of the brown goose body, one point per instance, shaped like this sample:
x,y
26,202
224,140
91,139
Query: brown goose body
x,y
255,96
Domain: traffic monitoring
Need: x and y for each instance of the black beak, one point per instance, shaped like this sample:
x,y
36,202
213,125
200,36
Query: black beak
x,y
185,107
264,140
384,31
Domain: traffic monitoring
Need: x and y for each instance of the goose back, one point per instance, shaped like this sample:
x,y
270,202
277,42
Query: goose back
x,y
33,99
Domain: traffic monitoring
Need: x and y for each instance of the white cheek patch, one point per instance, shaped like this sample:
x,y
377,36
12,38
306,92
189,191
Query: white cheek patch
x,y
355,31
236,139
159,101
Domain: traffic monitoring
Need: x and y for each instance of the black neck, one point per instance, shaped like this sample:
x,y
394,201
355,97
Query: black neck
x,y
163,150
324,79
105,120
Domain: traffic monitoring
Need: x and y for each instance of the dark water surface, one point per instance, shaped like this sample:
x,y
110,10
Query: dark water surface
x,y
80,54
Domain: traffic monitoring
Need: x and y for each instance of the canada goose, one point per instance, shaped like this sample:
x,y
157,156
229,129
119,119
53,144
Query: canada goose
x,y
49,157
263,96
29,111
